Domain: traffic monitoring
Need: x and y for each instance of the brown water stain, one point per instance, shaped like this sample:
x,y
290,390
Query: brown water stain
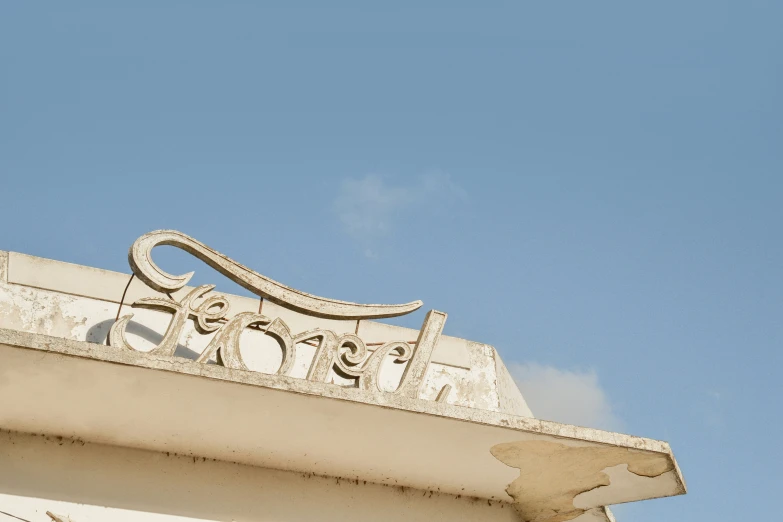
x,y
552,474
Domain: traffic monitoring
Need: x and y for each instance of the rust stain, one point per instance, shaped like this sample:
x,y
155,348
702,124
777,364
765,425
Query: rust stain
x,y
552,474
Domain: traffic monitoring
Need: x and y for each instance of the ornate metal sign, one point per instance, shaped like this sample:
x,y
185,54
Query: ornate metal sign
x,y
346,354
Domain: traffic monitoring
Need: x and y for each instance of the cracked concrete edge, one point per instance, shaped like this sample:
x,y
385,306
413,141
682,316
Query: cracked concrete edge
x,y
3,266
98,352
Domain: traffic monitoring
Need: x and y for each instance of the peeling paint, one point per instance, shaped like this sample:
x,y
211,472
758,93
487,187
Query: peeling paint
x,y
557,482
473,388
552,474
80,318
3,266
49,313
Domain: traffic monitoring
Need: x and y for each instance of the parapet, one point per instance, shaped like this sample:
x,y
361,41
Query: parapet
x,y
292,381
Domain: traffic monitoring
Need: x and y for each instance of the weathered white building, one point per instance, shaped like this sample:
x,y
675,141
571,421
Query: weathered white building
x,y
136,397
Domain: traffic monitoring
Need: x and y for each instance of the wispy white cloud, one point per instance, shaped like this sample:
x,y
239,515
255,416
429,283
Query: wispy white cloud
x,y
572,397
368,208
712,409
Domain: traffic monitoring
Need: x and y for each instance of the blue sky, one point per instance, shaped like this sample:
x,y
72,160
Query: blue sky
x,y
594,188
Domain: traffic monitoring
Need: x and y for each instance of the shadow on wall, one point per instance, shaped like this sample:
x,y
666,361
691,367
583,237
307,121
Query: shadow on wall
x,y
99,333
51,468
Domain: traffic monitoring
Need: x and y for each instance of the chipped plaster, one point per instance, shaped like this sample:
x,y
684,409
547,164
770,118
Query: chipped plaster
x,y
482,391
552,475
79,318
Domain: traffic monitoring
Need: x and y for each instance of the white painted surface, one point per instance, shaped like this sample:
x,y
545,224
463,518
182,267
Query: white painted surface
x,y
138,407
281,424
509,397
35,273
96,483
293,426
80,303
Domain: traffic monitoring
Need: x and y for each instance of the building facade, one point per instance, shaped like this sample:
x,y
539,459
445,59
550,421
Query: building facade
x,y
136,397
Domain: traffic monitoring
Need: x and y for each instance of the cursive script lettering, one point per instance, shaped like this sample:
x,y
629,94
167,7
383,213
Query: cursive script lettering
x,y
346,355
